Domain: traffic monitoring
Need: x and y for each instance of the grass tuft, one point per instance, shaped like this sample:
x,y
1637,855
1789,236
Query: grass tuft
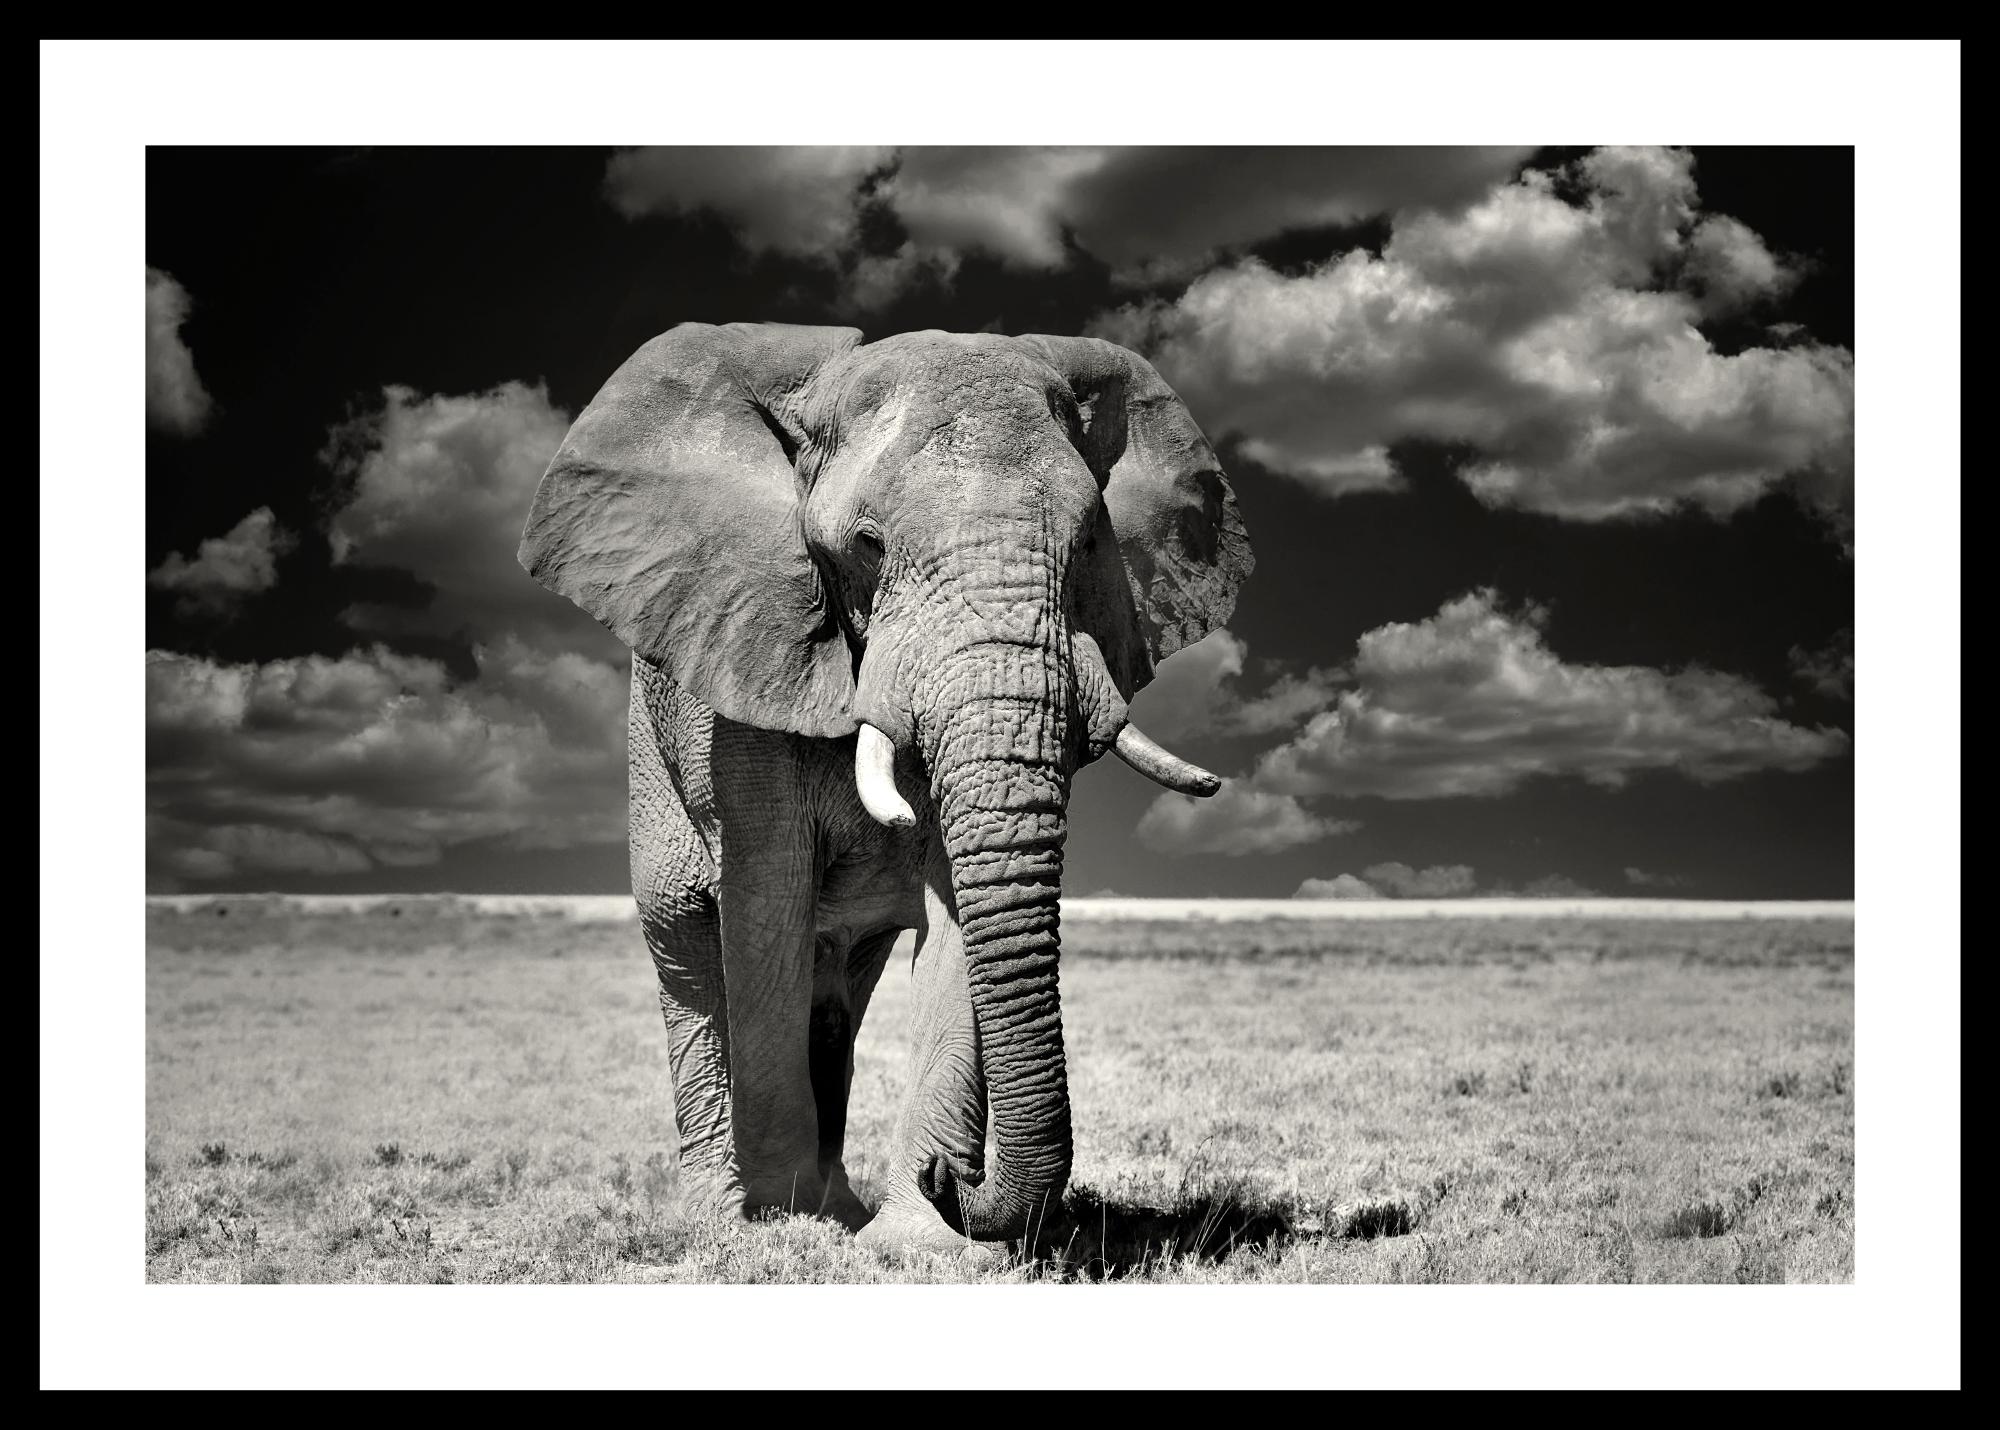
x,y
1376,1216
1782,1084
1697,1219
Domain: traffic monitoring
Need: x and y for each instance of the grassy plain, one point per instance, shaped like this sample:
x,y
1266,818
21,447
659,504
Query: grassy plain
x,y
423,1092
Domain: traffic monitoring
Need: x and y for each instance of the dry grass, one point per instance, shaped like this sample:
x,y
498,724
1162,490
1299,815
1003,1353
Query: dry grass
x,y
423,1093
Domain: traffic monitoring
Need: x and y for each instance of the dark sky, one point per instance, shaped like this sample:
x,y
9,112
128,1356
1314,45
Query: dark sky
x,y
1627,667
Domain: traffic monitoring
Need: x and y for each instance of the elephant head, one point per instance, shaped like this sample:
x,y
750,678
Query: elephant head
x,y
968,551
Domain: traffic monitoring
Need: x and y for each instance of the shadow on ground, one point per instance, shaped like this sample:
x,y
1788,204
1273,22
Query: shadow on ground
x,y
1207,1219
1099,1240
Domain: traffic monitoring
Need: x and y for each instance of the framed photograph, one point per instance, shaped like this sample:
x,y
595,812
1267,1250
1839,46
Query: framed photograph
x,y
1264,707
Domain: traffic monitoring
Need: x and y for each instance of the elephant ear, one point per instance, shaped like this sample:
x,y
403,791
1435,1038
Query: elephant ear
x,y
1171,552
671,514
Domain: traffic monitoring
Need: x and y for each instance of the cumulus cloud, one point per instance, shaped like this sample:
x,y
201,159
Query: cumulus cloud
x,y
191,851
1199,690
1729,268
1472,702
1192,687
1829,669
1555,338
1288,699
226,570
1237,820
336,764
801,201
176,402
1549,886
1440,881
1648,879
437,485
1007,202
1340,886
1153,209
1146,211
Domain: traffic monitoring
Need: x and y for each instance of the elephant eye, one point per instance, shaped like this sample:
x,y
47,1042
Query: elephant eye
x,y
867,546
1074,418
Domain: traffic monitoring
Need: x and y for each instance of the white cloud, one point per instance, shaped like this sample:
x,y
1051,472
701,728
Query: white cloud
x,y
1472,702
1170,208
1192,688
872,281
1146,210
1468,703
191,851
438,486
1236,820
1199,691
1149,210
1828,669
328,765
1647,879
1440,881
1542,333
1286,701
1006,202
228,569
176,402
1549,886
1729,267
799,201
1340,886
331,765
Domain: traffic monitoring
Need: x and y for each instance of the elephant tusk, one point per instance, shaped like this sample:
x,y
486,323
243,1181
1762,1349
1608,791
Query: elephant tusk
x,y
875,778
1162,767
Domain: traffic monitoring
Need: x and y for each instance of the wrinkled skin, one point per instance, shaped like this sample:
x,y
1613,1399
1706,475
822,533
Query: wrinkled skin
x,y
977,546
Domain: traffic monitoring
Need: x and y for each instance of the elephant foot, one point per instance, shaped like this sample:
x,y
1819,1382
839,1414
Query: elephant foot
x,y
898,1229
725,1198
842,1205
909,1233
806,1192
712,1196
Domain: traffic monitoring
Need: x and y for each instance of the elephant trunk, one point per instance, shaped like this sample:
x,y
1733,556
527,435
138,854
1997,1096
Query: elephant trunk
x,y
1000,779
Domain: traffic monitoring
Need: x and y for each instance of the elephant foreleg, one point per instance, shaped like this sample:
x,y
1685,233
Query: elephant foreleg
x,y
768,893
682,933
673,878
830,1061
844,977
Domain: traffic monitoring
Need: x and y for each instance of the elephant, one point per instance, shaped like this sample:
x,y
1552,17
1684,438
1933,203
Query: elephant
x,y
883,600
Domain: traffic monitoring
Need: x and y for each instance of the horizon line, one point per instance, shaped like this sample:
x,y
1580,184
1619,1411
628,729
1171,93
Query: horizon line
x,y
1088,907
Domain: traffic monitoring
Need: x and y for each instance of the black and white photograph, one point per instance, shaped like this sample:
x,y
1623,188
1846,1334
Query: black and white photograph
x,y
1256,716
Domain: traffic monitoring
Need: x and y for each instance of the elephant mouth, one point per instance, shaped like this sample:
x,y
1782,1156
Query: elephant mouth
x,y
875,772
